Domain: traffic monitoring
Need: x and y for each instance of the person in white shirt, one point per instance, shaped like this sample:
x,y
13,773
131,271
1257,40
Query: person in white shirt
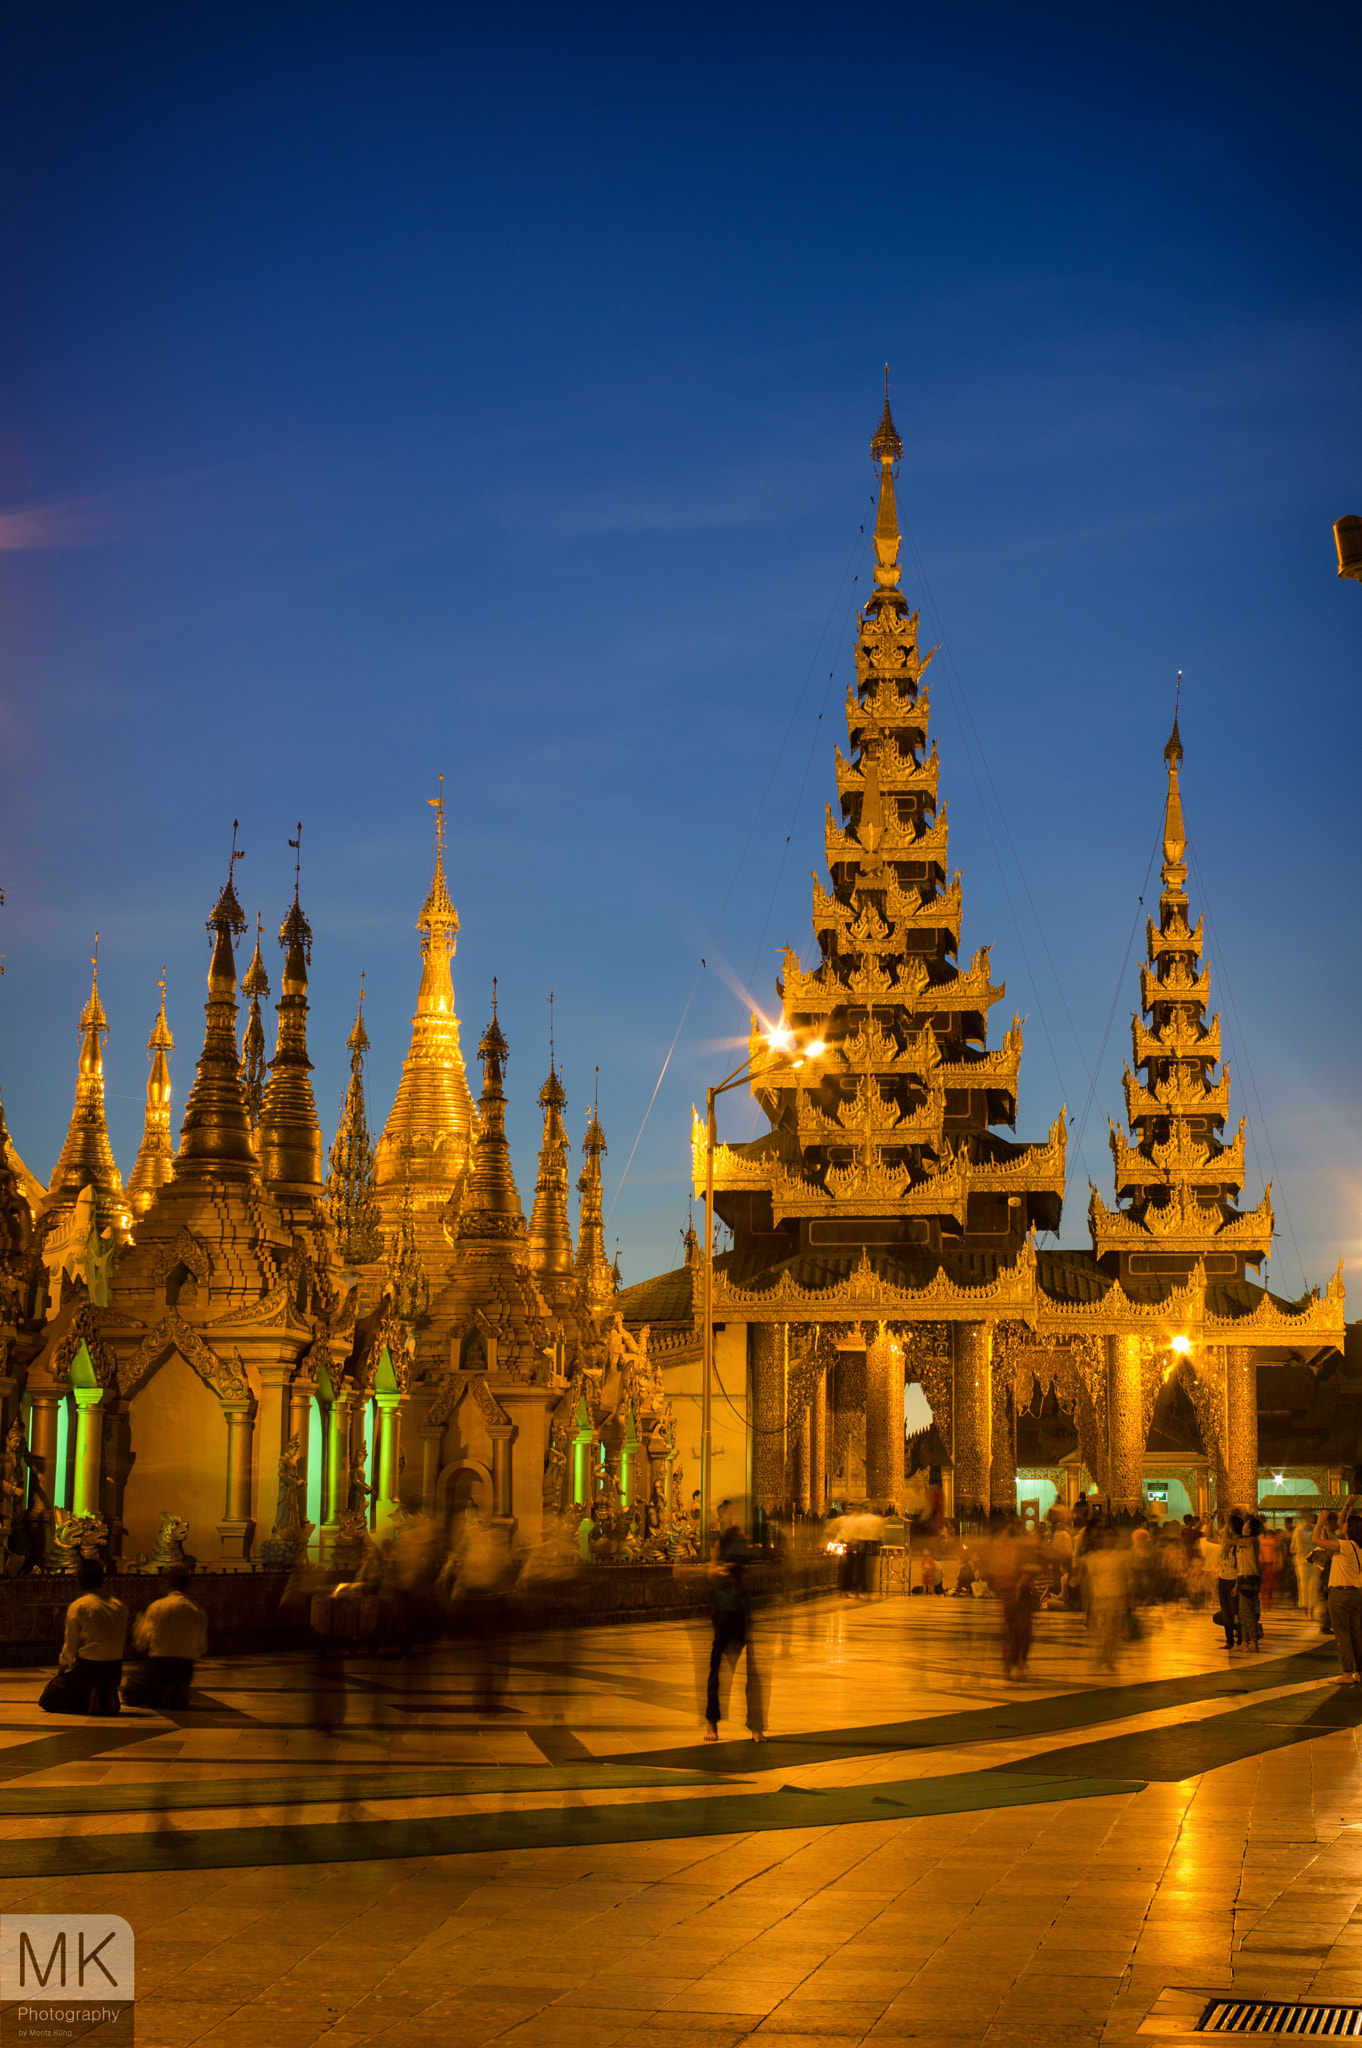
x,y
96,1635
1306,1574
1345,1594
174,1633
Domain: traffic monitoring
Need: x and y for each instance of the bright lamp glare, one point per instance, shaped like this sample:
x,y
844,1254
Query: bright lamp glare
x,y
779,1037
1182,1345
1278,1478
815,1049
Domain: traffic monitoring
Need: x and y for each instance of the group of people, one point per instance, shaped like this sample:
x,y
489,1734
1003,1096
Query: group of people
x,y
171,1634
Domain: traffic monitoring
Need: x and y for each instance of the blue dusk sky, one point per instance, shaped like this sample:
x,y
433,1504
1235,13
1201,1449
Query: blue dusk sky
x,y
391,390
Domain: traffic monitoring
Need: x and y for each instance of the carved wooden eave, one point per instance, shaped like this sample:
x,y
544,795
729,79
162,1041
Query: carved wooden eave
x,y
276,1312
1039,1169
892,709
1199,1162
898,841
1175,1040
184,1249
1315,1322
865,1296
1181,1225
1179,986
904,910
1182,1094
490,1409
999,1068
1176,940
224,1377
874,1189
898,773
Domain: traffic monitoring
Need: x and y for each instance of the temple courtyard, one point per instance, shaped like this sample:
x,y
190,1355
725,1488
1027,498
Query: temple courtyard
x,y
534,1847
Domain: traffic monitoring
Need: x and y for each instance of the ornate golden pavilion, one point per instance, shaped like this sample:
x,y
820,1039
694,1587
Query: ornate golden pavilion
x,y
390,1329
884,1230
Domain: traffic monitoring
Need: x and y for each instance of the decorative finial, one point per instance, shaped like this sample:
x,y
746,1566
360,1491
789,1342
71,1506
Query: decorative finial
x,y
1172,753
297,845
886,446
437,804
494,998
228,917
551,1058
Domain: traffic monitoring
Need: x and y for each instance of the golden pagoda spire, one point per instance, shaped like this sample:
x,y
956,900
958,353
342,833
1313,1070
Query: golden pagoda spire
x,y
433,1110
215,1137
595,1276
87,1157
156,1155
350,1196
289,1135
255,983
491,1205
550,1230
1180,1179
886,448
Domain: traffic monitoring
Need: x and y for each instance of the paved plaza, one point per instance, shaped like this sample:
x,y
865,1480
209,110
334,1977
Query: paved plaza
x,y
541,1851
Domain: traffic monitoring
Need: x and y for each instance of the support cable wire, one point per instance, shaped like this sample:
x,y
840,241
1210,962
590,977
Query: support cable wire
x,y
1115,999
957,693
1248,1065
859,542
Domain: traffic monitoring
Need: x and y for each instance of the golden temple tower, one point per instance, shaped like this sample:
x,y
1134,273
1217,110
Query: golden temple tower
x,y
87,1157
550,1230
255,983
433,1110
491,1211
595,1275
886,1137
155,1155
350,1197
289,1137
216,1141
1179,1181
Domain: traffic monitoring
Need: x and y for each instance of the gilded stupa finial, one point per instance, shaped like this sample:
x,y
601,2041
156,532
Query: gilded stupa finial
x,y
295,930
155,1155
289,1135
438,923
493,1050
550,1229
87,1159
255,983
1174,830
216,1134
491,1210
594,1273
886,448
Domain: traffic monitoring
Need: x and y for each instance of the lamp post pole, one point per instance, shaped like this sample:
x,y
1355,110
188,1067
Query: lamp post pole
x,y
706,1417
779,1045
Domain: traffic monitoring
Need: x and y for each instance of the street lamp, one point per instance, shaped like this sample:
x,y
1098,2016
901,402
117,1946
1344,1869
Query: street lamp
x,y
780,1044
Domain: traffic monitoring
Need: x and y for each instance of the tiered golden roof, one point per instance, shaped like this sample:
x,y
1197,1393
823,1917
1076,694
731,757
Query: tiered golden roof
x,y
87,1157
491,1209
433,1110
155,1160
893,1120
1179,1181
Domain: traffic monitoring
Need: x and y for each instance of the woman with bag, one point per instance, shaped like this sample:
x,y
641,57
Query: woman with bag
x,y
1249,1584
1345,1594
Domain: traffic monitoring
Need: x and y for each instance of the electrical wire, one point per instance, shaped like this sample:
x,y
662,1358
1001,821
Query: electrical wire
x,y
859,542
1224,973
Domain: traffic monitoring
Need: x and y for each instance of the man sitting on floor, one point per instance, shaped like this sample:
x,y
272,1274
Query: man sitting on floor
x,y
174,1633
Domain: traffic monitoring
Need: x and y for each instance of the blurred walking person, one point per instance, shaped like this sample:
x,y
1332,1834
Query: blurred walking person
x,y
1107,1585
1344,1553
732,1631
